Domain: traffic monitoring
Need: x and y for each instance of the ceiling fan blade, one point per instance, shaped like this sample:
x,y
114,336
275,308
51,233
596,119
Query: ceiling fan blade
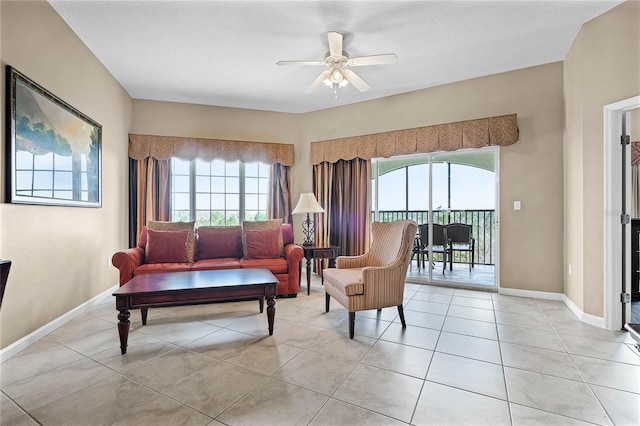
x,y
300,63
323,76
353,78
389,58
335,43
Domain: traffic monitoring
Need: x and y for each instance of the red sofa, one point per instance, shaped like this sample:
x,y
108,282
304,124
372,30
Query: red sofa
x,y
216,247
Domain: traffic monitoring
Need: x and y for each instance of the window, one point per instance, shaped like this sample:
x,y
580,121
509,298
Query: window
x,y
52,175
443,188
218,192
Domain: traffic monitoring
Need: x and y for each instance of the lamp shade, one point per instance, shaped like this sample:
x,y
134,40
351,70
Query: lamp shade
x,y
307,204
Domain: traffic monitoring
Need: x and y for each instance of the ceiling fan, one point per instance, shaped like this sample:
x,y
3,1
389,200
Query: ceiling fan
x,y
337,74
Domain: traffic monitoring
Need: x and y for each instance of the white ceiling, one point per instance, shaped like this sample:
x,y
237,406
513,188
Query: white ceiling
x,y
225,52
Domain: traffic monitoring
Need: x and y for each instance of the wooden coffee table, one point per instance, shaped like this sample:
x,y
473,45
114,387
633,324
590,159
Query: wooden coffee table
x,y
193,287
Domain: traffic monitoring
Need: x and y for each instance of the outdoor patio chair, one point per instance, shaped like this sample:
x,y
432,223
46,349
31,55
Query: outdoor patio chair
x,y
459,238
439,244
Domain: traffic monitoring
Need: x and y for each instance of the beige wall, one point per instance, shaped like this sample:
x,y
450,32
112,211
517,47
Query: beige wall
x,y
602,67
531,170
531,239
59,254
70,245
202,121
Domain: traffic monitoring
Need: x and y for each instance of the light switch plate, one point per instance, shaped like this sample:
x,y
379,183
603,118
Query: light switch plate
x,y
517,205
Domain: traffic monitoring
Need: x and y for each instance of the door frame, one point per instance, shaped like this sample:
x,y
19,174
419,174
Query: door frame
x,y
612,209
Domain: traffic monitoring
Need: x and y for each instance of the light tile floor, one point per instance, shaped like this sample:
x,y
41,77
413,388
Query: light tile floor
x,y
466,357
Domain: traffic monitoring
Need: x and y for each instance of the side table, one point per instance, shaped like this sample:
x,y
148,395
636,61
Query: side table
x,y
319,252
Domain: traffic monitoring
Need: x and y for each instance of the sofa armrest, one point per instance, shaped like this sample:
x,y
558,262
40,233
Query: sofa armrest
x,y
127,261
293,254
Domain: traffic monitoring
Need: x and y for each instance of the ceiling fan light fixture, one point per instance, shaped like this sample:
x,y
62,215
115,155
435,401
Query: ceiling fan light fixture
x,y
335,79
336,76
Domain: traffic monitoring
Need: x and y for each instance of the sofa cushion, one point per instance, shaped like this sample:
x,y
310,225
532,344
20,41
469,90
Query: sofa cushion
x,y
349,280
166,246
217,242
219,263
149,268
260,226
263,244
276,266
153,225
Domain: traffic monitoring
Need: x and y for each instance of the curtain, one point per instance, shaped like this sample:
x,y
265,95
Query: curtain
x,y
133,202
279,199
149,184
501,131
166,147
635,191
343,189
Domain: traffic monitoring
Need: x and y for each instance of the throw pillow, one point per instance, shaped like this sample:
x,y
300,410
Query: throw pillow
x,y
261,226
166,246
263,244
142,239
216,242
178,226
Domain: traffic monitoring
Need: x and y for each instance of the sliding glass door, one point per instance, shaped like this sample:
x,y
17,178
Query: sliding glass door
x,y
453,198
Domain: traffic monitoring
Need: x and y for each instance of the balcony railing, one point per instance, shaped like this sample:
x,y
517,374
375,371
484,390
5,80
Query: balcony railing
x,y
483,225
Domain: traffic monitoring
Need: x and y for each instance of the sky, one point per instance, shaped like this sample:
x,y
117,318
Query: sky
x,y
472,188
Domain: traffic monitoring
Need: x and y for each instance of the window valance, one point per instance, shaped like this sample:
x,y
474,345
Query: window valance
x,y
501,130
165,147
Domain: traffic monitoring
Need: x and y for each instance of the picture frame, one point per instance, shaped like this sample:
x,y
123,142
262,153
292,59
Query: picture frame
x,y
54,152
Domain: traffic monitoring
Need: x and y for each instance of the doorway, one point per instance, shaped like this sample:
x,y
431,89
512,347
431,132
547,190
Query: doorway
x,y
615,254
444,192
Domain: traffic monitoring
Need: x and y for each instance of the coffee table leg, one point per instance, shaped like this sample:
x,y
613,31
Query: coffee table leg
x,y
261,302
144,312
123,329
271,312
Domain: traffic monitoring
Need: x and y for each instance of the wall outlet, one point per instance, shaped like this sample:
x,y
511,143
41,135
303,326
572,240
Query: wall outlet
x,y
108,261
569,269
517,205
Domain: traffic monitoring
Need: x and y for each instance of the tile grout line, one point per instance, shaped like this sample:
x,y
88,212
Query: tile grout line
x,y
586,382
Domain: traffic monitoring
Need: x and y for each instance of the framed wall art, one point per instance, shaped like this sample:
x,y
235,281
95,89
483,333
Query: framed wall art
x,y
53,150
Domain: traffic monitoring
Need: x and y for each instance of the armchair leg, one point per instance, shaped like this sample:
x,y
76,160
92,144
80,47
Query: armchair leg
x,y
401,313
327,299
352,323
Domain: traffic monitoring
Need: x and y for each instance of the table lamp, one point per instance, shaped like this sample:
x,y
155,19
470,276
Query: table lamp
x,y
308,204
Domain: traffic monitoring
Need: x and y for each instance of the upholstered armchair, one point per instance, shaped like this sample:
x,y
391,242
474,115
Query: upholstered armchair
x,y
374,280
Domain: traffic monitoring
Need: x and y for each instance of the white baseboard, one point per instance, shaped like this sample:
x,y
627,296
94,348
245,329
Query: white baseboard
x,y
588,318
38,334
530,293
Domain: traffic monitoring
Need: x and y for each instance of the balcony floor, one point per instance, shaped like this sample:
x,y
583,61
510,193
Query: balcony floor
x,y
480,275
